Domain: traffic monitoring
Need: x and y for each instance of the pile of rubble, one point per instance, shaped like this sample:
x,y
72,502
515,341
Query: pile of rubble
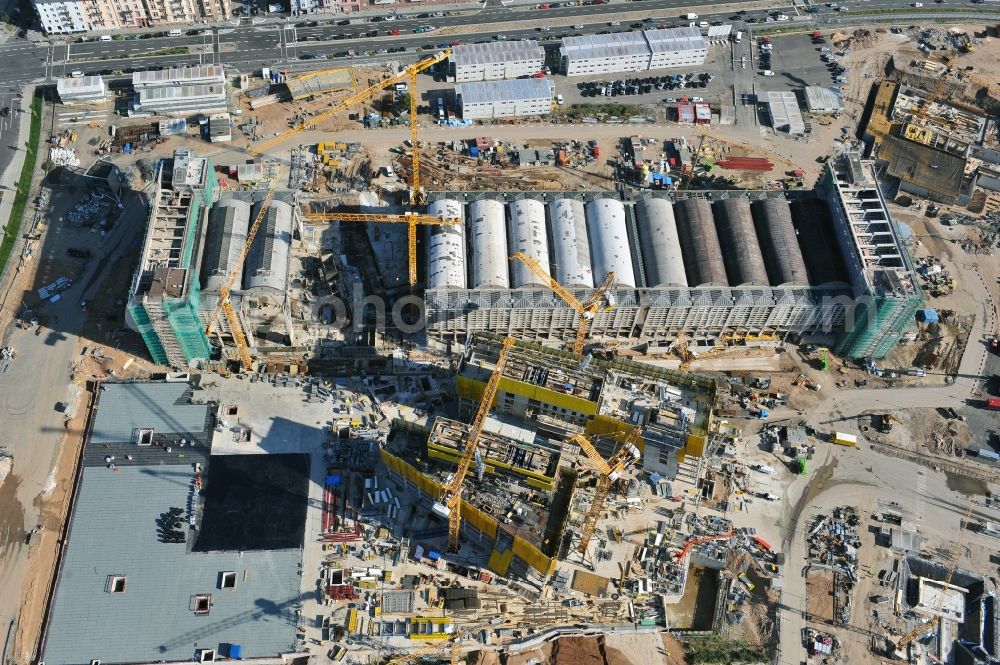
x,y
834,540
63,156
989,232
6,463
937,280
859,39
93,207
936,39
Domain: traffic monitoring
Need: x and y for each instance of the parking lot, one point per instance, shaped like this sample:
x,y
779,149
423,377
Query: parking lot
x,y
795,60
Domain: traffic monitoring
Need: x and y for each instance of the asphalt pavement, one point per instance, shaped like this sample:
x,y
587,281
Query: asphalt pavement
x,y
287,41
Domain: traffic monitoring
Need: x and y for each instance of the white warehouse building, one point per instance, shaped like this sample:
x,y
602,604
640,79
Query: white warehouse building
x,y
505,99
636,51
496,60
82,90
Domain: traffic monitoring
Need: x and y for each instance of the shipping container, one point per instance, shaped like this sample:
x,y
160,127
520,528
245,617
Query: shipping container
x,y
842,439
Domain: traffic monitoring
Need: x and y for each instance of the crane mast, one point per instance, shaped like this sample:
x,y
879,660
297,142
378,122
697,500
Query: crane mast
x,y
609,471
449,503
225,304
587,309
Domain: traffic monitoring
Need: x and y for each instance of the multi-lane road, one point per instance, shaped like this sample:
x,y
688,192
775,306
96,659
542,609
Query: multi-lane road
x,y
307,43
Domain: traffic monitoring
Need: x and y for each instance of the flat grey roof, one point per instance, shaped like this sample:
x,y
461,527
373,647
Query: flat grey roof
x,y
823,97
636,42
124,407
669,40
495,52
479,92
605,46
80,85
113,531
179,75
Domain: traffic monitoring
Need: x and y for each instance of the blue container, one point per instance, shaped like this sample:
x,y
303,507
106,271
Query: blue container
x,y
235,651
474,151
433,555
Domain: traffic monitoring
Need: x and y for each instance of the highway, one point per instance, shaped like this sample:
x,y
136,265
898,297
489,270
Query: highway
x,y
246,47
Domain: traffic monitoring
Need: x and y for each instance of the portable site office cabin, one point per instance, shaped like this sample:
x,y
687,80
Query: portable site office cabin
x,y
842,439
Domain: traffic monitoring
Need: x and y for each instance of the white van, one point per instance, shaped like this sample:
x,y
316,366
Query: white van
x,y
738,38
105,38
76,74
175,32
690,17
767,72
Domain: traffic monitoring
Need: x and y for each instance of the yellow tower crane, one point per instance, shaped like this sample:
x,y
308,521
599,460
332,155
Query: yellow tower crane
x,y
225,304
412,220
449,504
587,309
956,554
610,470
408,74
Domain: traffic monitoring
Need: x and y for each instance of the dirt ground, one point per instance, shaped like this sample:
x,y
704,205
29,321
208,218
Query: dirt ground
x,y
819,584
695,609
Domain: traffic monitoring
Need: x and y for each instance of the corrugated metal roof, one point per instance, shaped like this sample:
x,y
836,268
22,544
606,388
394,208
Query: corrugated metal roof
x,y
124,407
823,98
670,40
784,110
179,76
479,92
496,52
114,532
182,92
613,45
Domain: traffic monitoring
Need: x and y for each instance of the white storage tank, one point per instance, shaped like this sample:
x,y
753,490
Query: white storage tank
x,y
660,244
267,262
526,233
488,256
609,248
570,247
446,247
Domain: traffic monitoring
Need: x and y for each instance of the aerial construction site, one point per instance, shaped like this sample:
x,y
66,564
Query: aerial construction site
x,y
471,352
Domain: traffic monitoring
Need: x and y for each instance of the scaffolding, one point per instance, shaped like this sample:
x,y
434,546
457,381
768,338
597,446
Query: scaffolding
x,y
165,294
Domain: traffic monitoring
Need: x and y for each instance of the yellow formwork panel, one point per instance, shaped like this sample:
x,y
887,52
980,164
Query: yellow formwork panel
x,y
472,389
695,445
603,425
480,520
532,556
500,561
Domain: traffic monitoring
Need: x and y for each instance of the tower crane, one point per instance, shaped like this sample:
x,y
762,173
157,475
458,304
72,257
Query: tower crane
x,y
931,624
225,305
408,74
449,504
412,220
610,470
587,309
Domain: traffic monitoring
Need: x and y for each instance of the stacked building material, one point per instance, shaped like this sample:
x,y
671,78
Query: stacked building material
x,y
746,164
